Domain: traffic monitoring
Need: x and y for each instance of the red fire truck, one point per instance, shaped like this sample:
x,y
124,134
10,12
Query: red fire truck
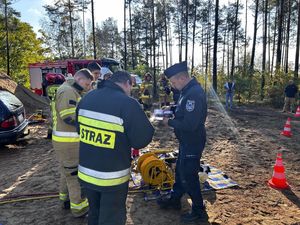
x,y
38,71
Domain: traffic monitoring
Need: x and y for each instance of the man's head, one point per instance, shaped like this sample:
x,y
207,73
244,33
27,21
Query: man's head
x,y
122,79
291,82
178,75
95,70
84,78
148,77
105,73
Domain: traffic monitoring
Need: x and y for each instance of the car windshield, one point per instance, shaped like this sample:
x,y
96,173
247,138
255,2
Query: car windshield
x,y
9,100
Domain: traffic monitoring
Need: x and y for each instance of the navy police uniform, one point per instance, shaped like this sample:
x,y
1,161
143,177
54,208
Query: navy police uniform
x,y
189,127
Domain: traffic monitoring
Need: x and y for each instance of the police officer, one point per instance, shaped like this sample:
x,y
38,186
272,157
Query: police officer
x,y
110,123
66,140
188,124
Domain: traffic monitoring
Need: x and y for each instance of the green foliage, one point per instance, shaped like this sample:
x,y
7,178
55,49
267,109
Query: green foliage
x,y
24,48
140,70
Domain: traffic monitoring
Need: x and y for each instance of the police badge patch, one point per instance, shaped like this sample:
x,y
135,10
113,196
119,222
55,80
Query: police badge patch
x,y
190,105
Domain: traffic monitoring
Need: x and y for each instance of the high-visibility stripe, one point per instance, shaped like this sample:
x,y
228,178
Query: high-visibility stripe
x,y
60,136
102,182
103,175
100,124
97,137
100,116
80,206
65,134
63,196
67,111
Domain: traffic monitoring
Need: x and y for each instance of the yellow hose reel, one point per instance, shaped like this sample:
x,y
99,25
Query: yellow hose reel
x,y
155,172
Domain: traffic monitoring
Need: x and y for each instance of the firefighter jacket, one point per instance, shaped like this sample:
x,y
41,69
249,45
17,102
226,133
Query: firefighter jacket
x,y
67,97
190,115
135,92
147,92
164,89
109,124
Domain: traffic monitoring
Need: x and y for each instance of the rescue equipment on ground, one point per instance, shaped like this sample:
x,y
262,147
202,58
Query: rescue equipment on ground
x,y
155,172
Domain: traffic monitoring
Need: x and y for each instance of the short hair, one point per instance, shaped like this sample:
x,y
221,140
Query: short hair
x,y
121,77
85,73
92,66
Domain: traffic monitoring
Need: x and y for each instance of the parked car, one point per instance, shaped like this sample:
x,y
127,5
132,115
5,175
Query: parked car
x,y
13,123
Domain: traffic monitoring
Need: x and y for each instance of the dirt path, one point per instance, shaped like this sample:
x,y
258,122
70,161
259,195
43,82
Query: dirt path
x,y
243,144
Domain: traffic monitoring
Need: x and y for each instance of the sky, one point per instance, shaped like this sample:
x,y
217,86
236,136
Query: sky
x,y
32,11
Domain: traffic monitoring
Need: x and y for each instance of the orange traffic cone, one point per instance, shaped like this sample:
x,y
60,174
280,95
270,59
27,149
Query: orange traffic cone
x,y
297,114
287,128
278,179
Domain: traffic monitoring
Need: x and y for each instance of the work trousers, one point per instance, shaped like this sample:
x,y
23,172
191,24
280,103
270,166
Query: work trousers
x,y
107,208
68,156
289,104
187,180
229,99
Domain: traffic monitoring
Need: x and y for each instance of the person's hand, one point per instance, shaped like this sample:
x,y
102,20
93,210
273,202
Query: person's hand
x,y
165,121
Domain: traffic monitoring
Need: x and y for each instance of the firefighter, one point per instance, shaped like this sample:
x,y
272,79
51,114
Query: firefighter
x,y
135,90
53,83
189,127
147,92
164,89
66,140
95,69
108,129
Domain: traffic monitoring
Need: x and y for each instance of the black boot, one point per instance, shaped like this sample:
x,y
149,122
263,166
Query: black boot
x,y
169,203
194,217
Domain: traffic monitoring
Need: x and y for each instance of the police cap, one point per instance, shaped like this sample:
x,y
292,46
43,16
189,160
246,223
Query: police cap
x,y
175,69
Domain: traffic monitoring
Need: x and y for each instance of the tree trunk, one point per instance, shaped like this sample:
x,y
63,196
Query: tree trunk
x,y
280,31
154,54
71,29
166,35
93,28
234,39
131,37
7,39
265,28
274,42
298,44
194,33
245,46
186,29
215,60
288,38
125,44
254,38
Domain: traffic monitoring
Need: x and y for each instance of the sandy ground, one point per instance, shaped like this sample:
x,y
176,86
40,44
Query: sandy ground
x,y
243,144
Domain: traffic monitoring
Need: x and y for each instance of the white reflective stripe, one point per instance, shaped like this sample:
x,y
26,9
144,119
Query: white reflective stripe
x,y
101,116
279,175
65,134
103,175
287,129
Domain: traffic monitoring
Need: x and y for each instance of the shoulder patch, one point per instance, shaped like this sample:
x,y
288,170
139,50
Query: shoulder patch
x,y
190,105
